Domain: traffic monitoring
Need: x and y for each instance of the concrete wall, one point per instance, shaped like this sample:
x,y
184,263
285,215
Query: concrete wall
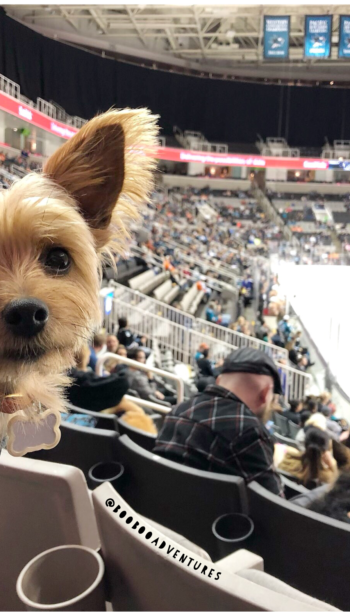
x,y
169,180
308,187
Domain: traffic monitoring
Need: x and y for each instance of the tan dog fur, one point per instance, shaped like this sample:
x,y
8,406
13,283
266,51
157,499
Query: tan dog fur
x,y
91,189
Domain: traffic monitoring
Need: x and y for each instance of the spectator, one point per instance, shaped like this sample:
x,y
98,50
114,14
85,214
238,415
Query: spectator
x,y
121,350
335,503
120,367
199,354
326,402
221,429
124,335
143,383
332,426
284,329
293,414
98,345
204,365
112,343
94,392
315,465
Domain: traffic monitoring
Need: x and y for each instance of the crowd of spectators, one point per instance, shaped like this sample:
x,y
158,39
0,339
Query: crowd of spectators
x,y
14,167
238,437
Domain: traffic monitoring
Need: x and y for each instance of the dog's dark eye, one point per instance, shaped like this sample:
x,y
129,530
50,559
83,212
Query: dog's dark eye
x,y
57,261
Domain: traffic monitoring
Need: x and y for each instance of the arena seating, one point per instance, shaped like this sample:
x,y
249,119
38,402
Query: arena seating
x,y
300,547
150,585
184,338
57,511
193,247
81,447
149,477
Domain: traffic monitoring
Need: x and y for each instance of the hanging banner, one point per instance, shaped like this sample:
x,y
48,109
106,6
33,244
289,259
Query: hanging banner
x,y
344,36
318,36
276,37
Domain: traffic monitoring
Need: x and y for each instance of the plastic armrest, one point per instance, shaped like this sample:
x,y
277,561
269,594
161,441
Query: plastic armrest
x,y
240,560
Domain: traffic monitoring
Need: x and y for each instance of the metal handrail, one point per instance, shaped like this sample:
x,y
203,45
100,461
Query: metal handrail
x,y
183,342
144,368
245,339
47,108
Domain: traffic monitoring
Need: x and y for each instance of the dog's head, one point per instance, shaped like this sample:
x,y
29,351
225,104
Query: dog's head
x,y
54,230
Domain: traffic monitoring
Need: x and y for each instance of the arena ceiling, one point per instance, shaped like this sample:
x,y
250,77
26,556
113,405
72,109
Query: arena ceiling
x,y
217,40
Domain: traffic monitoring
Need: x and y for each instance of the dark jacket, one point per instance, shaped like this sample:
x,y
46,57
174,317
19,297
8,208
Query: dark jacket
x,y
205,367
94,392
216,432
125,337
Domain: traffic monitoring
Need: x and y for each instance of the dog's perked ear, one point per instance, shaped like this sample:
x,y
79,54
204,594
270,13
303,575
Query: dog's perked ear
x,y
107,168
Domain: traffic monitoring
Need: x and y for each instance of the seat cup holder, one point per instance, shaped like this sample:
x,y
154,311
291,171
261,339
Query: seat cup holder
x,y
99,473
231,531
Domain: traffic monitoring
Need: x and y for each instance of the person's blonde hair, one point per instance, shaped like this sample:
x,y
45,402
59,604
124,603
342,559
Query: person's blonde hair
x,y
317,420
324,397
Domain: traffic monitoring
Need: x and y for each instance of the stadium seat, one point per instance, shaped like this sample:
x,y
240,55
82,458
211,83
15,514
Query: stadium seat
x,y
283,440
137,281
292,486
142,438
188,298
293,429
43,505
282,422
143,575
163,290
152,283
173,293
309,551
82,447
184,499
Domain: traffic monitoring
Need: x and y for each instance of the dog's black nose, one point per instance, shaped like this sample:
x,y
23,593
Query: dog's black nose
x,y
26,317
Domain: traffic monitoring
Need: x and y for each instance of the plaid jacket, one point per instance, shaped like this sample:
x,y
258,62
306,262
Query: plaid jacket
x,y
216,432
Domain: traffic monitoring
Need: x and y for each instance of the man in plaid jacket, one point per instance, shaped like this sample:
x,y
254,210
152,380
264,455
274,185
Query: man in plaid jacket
x,y
221,430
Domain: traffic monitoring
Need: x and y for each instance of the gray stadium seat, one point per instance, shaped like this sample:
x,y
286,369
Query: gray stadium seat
x,y
293,429
184,499
81,447
142,438
142,575
309,551
283,440
282,423
42,506
292,486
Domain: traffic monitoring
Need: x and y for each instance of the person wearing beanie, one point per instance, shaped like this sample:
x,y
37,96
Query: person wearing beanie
x,y
221,429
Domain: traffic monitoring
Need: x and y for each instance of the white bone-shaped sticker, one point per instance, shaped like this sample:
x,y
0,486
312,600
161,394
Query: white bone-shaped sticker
x,y
26,435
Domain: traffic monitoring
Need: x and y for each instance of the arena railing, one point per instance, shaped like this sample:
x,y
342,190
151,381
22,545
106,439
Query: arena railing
x,y
169,335
9,87
135,298
47,108
144,368
223,334
184,342
240,340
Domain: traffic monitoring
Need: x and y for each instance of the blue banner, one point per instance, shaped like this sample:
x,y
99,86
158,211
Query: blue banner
x,y
344,36
276,37
318,36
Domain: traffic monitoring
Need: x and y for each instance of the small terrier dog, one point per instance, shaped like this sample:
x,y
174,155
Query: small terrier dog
x,y
55,230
